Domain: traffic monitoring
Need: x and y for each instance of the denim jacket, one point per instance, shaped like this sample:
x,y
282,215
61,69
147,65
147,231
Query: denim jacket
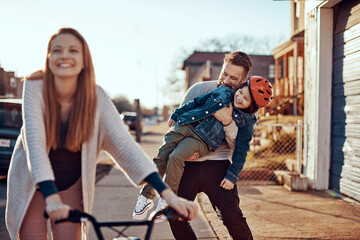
x,y
211,130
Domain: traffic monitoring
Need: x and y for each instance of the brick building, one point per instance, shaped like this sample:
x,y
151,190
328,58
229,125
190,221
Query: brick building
x,y
10,85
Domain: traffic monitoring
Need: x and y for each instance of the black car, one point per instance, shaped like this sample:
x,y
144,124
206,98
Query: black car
x,y
10,124
129,119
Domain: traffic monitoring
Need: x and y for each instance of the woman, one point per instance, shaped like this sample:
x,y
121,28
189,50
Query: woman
x,y
68,120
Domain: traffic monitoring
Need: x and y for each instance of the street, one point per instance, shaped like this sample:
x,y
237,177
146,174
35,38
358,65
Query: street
x,y
3,232
272,211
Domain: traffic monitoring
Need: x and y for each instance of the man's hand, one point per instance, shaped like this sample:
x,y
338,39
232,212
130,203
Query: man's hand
x,y
170,122
226,184
193,157
224,115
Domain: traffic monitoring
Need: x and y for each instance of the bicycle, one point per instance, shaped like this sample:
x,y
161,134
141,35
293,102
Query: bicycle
x,y
77,216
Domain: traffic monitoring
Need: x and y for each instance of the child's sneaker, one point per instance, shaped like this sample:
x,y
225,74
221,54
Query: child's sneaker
x,y
143,205
160,205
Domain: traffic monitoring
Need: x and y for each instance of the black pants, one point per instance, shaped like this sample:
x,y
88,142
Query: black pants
x,y
206,177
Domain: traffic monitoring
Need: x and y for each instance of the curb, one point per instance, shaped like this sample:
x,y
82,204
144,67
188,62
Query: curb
x,y
216,224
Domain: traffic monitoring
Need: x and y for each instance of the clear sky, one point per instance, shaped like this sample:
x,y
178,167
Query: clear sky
x,y
133,42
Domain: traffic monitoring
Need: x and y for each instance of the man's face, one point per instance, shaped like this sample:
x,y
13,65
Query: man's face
x,y
231,75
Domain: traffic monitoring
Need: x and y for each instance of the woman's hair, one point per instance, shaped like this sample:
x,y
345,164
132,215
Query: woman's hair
x,y
253,108
82,115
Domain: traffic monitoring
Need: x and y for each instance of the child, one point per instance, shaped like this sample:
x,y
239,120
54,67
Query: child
x,y
196,130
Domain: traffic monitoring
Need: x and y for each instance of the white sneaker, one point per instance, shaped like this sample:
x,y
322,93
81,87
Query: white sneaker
x,y
160,205
143,206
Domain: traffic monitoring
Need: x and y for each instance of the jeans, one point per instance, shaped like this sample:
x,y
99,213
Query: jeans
x,y
206,177
179,143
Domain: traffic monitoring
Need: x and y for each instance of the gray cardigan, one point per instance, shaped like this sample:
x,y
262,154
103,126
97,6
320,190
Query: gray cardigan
x,y
30,162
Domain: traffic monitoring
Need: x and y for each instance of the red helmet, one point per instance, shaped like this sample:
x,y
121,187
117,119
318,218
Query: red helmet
x,y
260,90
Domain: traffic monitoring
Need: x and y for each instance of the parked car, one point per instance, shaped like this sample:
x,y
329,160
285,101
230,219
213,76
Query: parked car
x,y
10,124
129,119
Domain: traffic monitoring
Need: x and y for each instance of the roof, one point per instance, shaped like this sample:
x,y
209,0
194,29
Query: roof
x,y
201,57
198,58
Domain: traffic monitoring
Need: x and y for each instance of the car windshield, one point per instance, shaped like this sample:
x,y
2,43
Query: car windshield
x,y
10,116
129,118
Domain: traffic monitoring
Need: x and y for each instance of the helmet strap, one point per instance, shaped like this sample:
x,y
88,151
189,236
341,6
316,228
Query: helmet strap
x,y
251,95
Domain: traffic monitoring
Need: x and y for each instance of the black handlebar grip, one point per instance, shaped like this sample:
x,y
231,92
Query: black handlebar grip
x,y
171,213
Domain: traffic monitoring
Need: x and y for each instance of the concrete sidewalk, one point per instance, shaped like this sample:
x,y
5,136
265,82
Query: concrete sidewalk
x,y
272,211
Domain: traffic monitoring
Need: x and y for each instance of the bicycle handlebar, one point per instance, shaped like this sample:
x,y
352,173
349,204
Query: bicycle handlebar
x,y
77,216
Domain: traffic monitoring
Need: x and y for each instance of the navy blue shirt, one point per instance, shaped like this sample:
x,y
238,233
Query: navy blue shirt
x,y
65,164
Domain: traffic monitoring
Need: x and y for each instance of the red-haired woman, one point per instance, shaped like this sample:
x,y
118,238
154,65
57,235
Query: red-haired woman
x,y
68,120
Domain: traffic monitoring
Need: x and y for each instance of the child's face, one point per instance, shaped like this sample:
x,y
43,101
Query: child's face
x,y
242,98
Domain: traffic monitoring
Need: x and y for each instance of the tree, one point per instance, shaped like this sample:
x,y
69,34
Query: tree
x,y
234,42
122,104
175,86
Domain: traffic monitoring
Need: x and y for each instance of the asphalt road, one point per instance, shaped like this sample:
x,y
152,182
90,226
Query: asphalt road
x,y
3,232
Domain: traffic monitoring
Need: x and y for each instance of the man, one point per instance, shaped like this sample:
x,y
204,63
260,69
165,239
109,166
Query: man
x,y
205,174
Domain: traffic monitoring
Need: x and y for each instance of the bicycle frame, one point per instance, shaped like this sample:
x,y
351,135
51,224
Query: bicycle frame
x,y
77,216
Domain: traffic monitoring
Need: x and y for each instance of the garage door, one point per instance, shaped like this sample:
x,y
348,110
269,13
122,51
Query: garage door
x,y
345,151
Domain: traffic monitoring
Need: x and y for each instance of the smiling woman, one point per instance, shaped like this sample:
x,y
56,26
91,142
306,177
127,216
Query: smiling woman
x,y
66,57
53,165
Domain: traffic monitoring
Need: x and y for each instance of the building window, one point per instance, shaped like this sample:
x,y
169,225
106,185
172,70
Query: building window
x,y
271,71
12,82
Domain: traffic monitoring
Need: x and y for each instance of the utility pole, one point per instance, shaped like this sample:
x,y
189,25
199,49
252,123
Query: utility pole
x,y
138,120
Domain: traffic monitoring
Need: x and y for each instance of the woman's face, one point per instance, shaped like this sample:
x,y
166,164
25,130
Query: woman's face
x,y
66,56
242,98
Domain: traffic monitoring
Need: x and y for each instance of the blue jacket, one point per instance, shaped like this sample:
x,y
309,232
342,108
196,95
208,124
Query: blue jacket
x,y
211,130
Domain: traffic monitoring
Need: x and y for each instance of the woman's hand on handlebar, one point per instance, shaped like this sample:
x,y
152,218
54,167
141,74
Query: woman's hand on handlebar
x,y
55,208
184,207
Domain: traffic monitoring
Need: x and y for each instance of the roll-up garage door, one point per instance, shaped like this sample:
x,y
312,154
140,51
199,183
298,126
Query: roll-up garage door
x,y
345,133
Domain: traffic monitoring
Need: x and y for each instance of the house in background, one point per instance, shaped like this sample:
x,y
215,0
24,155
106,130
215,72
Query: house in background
x,y
332,95
206,66
318,69
10,85
289,67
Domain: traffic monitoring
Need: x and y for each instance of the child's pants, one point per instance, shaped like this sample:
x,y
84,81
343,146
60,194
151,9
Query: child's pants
x,y
180,142
34,225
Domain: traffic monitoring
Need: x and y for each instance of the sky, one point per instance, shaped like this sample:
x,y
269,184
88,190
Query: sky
x,y
133,43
